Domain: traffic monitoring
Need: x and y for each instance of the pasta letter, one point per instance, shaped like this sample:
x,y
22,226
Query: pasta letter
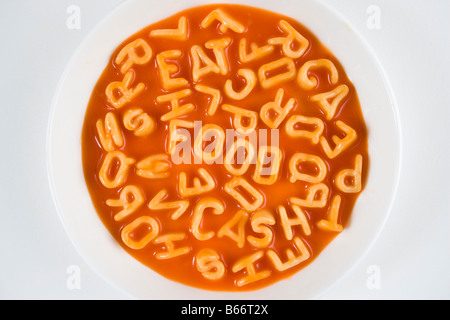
x,y
157,204
177,110
128,56
198,187
179,34
210,265
166,70
151,231
293,259
119,93
209,202
317,197
256,52
154,167
109,132
354,175
120,174
176,134
250,83
260,221
275,80
170,250
293,37
331,223
294,132
201,63
215,100
239,220
336,95
218,47
243,159
248,263
208,155
299,220
308,83
280,112
263,174
239,115
139,122
318,163
226,22
340,144
257,199
129,204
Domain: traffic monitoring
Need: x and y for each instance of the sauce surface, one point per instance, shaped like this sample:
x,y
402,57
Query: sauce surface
x,y
231,246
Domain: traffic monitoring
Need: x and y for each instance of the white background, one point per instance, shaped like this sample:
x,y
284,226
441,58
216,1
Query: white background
x,y
412,255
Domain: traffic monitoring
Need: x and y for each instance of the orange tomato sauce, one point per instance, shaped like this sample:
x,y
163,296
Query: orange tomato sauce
x,y
260,26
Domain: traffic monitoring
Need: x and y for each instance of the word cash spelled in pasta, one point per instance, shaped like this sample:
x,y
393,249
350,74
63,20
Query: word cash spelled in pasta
x,y
202,206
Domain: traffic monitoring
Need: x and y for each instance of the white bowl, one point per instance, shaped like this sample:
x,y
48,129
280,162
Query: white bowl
x,y
105,255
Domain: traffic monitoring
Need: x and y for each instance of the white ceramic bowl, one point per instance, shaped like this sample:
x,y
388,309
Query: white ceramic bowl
x,y
101,251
